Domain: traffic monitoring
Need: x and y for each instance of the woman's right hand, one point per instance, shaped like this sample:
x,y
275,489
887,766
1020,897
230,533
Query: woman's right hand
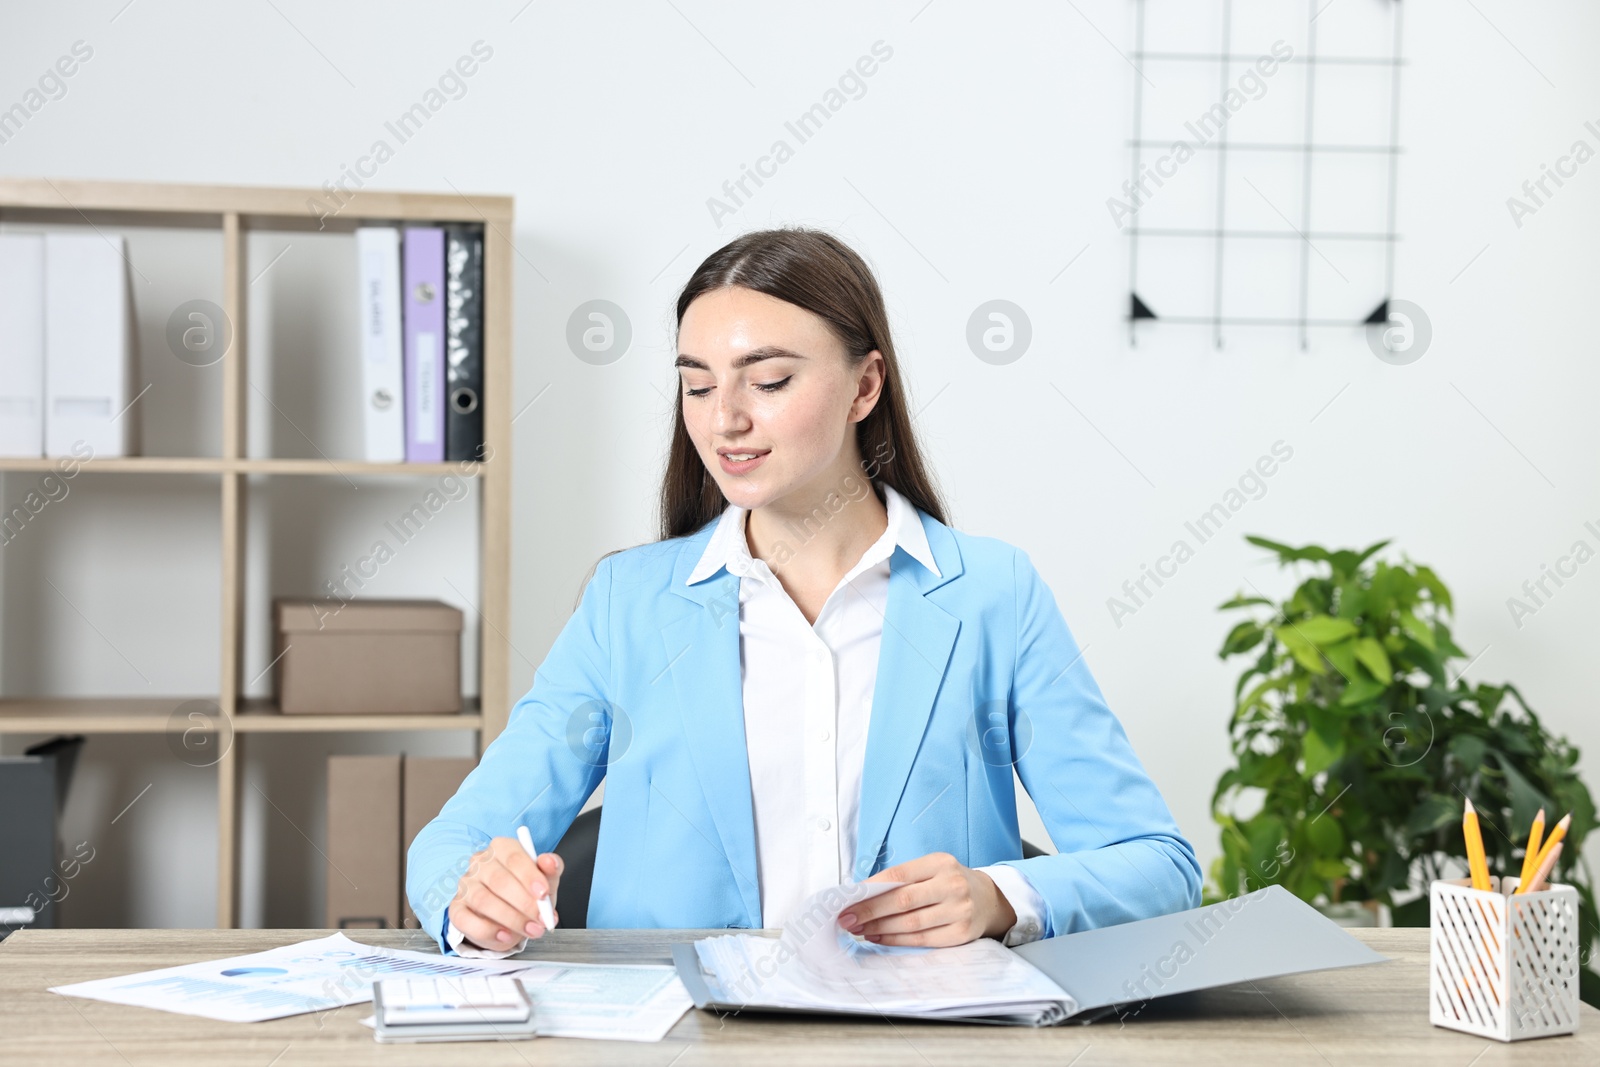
x,y
497,900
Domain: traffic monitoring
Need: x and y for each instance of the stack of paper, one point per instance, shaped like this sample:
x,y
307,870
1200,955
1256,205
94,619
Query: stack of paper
x,y
816,965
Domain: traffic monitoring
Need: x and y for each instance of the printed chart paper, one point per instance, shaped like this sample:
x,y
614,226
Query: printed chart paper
x,y
309,976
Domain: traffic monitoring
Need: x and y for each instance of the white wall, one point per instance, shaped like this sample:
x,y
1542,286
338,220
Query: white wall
x,y
976,166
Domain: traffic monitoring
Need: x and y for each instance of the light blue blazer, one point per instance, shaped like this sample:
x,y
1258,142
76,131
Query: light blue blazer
x,y
977,673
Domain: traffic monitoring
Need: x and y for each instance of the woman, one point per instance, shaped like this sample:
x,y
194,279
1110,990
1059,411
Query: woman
x,y
811,679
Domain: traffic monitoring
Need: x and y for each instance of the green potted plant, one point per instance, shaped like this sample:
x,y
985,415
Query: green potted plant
x,y
1355,744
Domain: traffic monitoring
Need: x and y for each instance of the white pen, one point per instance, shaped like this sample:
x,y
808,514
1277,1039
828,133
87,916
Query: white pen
x,y
547,914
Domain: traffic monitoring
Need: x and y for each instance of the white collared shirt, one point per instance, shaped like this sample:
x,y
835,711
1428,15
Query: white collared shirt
x,y
808,689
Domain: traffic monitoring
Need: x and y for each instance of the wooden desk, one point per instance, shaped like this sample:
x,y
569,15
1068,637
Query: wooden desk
x,y
1360,1015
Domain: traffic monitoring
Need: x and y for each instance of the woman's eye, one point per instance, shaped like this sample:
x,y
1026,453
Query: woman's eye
x,y
766,387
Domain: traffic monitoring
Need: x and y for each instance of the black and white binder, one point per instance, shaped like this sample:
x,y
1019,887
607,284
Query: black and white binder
x,y
463,323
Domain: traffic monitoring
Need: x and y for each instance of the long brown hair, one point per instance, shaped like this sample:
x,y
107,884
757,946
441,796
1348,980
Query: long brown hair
x,y
816,271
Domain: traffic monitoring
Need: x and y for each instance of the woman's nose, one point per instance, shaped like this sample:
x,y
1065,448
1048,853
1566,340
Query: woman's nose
x,y
729,413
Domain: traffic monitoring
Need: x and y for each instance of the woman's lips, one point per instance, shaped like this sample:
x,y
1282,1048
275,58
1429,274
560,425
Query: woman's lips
x,y
744,467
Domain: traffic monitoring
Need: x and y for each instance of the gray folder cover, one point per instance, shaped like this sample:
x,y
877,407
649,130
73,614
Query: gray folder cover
x,y
1264,934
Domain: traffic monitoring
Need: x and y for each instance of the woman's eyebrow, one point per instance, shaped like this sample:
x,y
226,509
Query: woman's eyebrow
x,y
755,355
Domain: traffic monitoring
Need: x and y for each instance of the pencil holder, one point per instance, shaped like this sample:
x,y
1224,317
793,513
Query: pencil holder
x,y
1503,966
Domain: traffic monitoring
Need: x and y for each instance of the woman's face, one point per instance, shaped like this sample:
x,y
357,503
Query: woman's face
x,y
768,382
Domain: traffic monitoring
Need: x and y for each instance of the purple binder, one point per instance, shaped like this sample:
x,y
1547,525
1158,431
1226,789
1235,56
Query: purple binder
x,y
423,281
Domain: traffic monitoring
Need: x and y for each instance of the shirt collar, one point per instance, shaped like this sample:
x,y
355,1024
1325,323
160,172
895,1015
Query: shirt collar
x,y
729,548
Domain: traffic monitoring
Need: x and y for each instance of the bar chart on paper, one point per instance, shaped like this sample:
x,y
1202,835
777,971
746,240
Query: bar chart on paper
x,y
1263,165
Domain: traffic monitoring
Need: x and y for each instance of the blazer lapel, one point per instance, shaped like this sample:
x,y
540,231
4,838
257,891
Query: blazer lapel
x,y
918,637
702,656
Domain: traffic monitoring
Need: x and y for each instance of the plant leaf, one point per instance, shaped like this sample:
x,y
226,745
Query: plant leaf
x,y
1320,754
1286,553
1433,813
1375,659
1270,685
1433,585
1330,869
1302,650
1360,691
1366,553
1525,799
1326,836
1469,750
1343,658
1419,630
1323,630
1242,638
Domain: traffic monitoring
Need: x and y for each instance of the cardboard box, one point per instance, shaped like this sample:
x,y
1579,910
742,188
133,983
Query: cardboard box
x,y
365,864
367,657
429,781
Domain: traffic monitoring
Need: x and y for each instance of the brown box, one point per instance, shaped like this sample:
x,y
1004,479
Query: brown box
x,y
364,859
427,782
367,656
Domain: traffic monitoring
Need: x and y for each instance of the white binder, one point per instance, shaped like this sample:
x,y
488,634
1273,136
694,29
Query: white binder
x,y
88,341
22,345
382,355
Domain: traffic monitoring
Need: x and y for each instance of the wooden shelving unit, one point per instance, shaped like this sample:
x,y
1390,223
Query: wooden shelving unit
x,y
237,210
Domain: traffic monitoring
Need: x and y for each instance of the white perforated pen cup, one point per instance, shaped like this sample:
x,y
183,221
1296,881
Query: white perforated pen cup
x,y
1503,966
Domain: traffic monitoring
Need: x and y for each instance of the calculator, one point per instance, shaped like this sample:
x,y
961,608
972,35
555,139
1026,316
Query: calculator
x,y
469,1007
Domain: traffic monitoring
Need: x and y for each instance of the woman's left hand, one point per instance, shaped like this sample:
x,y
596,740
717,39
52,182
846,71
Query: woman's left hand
x,y
942,903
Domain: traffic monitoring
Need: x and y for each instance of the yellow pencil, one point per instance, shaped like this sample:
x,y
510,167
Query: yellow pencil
x,y
1556,834
1541,877
1530,858
1477,863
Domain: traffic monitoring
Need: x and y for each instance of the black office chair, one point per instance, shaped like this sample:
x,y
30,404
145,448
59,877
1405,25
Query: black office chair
x,y
577,849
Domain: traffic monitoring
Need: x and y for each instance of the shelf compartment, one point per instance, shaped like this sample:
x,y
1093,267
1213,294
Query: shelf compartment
x,y
261,716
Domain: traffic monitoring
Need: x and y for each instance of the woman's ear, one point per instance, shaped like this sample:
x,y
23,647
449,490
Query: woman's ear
x,y
869,385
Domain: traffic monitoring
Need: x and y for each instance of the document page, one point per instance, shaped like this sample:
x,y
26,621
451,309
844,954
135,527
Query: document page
x,y
607,1001
318,975
817,964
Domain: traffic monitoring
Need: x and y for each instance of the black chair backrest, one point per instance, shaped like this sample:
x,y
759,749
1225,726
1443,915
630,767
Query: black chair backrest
x,y
577,849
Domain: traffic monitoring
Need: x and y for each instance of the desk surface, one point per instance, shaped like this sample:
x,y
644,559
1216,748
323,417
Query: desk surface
x,y
1357,1015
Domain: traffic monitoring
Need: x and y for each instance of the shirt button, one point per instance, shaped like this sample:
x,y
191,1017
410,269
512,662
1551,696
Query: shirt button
x,y
823,824
825,735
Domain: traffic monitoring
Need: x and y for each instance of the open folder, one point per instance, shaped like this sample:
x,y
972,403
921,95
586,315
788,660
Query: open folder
x,y
816,966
